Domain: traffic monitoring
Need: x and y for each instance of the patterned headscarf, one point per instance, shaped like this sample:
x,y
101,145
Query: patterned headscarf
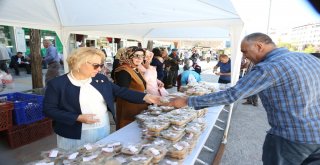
x,y
126,58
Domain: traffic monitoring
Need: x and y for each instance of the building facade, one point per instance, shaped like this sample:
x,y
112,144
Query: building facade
x,y
302,36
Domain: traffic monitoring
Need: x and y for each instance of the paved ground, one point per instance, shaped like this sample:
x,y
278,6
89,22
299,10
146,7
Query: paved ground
x,y
246,135
247,131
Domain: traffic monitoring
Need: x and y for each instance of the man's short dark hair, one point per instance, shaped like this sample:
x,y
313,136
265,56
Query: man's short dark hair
x,y
260,37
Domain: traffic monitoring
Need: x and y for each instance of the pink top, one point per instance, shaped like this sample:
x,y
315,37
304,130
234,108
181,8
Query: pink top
x,y
150,75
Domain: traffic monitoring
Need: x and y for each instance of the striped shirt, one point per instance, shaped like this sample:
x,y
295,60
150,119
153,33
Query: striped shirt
x,y
288,84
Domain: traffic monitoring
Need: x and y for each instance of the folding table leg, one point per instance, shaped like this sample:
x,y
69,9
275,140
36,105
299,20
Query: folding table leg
x,y
225,110
201,162
220,120
207,148
221,129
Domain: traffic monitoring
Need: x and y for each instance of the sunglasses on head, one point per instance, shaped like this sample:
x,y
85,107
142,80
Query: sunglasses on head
x,y
96,65
133,48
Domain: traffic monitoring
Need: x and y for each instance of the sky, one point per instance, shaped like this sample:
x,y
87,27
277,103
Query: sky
x,y
284,14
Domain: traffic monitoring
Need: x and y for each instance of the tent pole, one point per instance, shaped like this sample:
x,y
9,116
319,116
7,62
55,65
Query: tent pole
x,y
269,16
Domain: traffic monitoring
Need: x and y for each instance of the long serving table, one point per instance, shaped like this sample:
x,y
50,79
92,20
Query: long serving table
x,y
132,134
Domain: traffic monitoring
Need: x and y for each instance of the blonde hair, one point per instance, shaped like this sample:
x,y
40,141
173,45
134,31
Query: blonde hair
x,y
82,55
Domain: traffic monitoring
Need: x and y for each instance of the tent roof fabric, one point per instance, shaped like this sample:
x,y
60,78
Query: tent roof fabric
x,y
139,19
125,18
137,12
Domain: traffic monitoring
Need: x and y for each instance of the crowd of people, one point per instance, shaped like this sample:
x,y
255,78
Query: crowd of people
x,y
166,65
139,78
285,81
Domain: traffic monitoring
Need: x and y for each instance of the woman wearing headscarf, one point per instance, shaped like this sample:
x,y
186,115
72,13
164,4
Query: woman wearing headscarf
x,y
128,75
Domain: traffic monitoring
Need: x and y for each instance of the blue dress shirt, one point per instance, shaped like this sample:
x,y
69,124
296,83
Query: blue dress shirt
x,y
288,84
51,55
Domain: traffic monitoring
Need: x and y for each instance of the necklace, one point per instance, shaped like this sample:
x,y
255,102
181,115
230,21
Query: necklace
x,y
71,74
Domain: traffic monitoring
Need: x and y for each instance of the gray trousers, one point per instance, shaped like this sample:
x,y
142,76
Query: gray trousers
x,y
280,151
52,72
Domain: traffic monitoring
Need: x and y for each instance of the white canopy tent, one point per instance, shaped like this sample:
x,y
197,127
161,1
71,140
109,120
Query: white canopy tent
x,y
139,19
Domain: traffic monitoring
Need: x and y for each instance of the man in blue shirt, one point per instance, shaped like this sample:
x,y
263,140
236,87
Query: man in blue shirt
x,y
52,59
288,84
225,69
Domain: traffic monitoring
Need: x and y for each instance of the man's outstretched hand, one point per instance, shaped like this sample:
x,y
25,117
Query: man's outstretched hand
x,y
178,102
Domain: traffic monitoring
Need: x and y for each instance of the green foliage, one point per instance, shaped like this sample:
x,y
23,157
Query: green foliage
x,y
287,45
220,51
309,49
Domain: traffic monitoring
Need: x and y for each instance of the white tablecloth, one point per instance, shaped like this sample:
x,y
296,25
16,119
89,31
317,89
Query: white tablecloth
x,y
132,134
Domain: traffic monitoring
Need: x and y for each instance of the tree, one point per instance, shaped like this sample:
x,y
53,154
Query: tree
x,y
150,45
36,59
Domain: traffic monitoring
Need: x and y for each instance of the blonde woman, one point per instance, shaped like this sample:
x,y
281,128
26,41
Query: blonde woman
x,y
79,100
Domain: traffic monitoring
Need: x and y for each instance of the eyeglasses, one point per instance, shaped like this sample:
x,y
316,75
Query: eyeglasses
x,y
96,65
138,55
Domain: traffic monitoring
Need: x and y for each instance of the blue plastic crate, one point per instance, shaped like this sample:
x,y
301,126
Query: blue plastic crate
x,y
27,107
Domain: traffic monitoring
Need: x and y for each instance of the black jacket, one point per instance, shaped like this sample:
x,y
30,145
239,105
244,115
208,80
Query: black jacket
x,y
14,61
61,102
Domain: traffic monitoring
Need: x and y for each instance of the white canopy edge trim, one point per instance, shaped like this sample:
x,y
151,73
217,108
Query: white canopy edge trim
x,y
195,23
